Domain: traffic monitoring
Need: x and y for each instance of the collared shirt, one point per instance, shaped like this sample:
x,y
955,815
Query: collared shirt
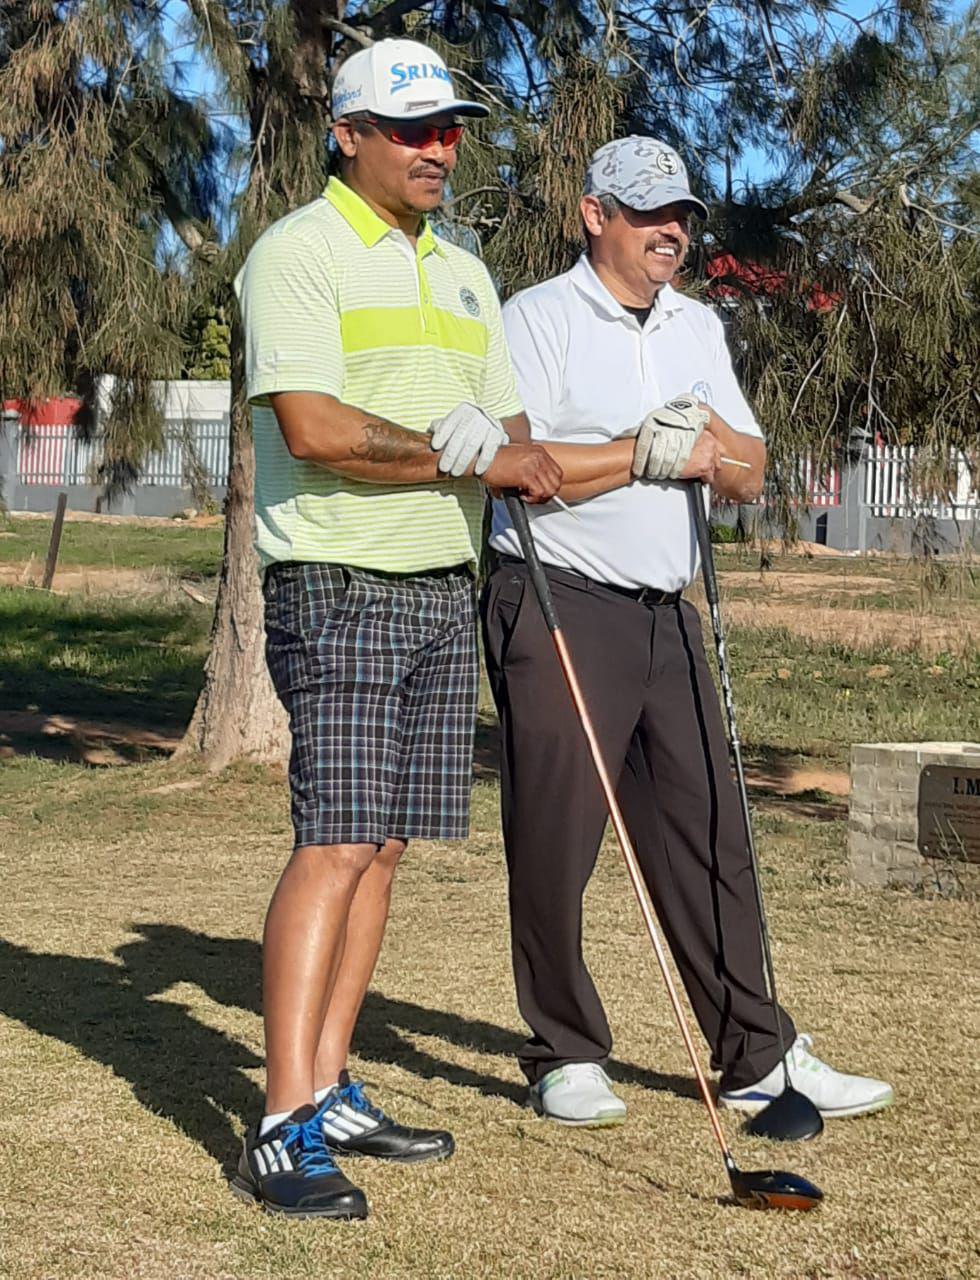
x,y
335,300
588,373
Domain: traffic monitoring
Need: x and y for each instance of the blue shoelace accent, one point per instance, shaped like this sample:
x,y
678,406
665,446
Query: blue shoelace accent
x,y
307,1143
353,1094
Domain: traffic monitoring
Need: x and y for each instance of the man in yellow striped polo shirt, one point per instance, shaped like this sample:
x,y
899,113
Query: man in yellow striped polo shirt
x,y
381,389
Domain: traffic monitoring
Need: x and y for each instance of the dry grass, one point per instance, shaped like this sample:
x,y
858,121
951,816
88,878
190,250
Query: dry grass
x,y
863,629
130,1059
918,607
130,1035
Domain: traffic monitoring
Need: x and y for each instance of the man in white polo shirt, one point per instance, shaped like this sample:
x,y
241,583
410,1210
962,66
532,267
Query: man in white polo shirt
x,y
612,360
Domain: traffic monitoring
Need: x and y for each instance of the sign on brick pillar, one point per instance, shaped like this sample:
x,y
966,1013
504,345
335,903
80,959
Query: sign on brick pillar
x,y
902,795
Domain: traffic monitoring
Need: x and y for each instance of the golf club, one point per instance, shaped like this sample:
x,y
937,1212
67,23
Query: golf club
x,y
769,1189
791,1116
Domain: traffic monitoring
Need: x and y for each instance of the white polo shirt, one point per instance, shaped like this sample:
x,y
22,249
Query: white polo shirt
x,y
587,374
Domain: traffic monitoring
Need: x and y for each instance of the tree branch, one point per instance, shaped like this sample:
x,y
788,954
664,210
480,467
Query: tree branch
x,y
184,225
502,191
852,202
363,36
385,20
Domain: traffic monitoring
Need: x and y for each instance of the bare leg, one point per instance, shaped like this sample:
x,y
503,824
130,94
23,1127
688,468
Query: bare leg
x,y
365,929
304,939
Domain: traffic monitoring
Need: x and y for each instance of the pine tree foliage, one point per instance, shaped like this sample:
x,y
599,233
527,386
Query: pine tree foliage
x,y
865,227
96,152
853,305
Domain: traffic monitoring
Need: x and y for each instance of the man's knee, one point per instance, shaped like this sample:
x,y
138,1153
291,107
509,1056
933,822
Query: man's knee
x,y
389,855
344,861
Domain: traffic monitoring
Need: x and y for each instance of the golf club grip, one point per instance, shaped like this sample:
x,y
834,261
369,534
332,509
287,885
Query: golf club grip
x,y
704,542
523,527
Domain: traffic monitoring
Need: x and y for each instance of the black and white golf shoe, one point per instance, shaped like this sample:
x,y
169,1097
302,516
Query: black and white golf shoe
x,y
290,1171
353,1126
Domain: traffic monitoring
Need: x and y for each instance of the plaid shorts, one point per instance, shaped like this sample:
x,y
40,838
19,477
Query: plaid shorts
x,y
378,673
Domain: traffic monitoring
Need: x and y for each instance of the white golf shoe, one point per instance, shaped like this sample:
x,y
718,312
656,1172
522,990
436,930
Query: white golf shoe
x,y
833,1094
578,1093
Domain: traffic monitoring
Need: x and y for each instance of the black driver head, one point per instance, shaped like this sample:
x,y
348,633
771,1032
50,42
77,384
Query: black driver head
x,y
791,1117
772,1189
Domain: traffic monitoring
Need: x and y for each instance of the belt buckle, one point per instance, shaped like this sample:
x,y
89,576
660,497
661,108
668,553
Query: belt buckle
x,y
644,596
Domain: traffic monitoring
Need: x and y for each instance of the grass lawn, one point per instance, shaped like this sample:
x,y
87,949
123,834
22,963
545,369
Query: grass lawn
x,y
185,550
138,659
130,1034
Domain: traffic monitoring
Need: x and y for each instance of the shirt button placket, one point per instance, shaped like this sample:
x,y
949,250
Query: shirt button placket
x,y
425,297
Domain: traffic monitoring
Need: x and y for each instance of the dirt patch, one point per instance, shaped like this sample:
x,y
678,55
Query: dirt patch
x,y
134,522
798,781
776,547
88,581
776,581
862,628
94,742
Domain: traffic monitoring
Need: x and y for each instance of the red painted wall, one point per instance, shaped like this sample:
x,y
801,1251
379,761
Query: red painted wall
x,y
43,413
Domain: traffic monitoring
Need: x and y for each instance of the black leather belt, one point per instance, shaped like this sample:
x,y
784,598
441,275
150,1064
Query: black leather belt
x,y
649,596
445,571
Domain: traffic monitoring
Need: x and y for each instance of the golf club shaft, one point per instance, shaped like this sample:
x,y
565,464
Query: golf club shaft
x,y
543,591
714,608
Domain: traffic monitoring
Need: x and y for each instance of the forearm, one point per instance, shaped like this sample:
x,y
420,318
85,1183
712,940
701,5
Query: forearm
x,y
323,431
518,428
737,484
326,432
590,469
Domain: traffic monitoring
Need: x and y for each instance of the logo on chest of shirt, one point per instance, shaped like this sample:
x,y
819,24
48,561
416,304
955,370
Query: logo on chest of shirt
x,y
470,301
702,392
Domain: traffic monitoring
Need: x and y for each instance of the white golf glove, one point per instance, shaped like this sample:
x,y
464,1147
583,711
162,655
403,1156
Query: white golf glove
x,y
464,435
666,438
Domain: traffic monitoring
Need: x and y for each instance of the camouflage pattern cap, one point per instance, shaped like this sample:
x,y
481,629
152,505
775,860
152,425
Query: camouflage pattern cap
x,y
644,173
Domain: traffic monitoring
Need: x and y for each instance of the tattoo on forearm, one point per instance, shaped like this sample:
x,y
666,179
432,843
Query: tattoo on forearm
x,y
385,442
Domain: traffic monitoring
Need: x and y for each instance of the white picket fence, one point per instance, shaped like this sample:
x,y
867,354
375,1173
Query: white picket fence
x,y
820,482
58,455
890,489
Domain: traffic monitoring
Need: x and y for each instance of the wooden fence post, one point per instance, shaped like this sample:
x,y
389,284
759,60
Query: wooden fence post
x,y
55,543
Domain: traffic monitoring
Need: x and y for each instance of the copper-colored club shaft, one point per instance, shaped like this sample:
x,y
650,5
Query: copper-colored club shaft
x,y
636,879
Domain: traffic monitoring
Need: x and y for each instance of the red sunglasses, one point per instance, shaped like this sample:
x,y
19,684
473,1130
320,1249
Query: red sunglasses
x,y
417,135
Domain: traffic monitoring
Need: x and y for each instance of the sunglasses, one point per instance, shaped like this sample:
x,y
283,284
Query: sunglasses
x,y
417,135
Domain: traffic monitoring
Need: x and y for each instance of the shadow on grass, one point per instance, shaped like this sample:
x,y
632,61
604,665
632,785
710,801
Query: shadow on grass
x,y
486,748
193,1074
141,664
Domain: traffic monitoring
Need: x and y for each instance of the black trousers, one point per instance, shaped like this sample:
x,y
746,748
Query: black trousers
x,y
650,692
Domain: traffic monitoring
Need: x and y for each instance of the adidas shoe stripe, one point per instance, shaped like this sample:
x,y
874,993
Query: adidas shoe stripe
x,y
342,1121
272,1157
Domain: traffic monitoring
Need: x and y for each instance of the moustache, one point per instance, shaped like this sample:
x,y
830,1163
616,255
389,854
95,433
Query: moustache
x,y
428,171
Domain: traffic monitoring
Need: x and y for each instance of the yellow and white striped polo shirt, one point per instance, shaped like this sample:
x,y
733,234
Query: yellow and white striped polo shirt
x,y
336,301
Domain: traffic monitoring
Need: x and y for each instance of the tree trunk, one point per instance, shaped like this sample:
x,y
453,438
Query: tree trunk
x,y
238,714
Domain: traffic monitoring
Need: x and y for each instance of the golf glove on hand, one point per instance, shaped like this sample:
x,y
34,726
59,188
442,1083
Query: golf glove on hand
x,y
666,438
464,435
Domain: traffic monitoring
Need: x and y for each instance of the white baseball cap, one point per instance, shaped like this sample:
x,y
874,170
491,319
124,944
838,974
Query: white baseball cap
x,y
644,173
399,80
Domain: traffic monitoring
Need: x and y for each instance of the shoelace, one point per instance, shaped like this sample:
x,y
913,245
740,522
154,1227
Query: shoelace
x,y
353,1094
590,1069
307,1142
596,1072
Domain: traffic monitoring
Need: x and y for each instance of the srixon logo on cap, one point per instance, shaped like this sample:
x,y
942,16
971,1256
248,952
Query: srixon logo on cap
x,y
404,73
